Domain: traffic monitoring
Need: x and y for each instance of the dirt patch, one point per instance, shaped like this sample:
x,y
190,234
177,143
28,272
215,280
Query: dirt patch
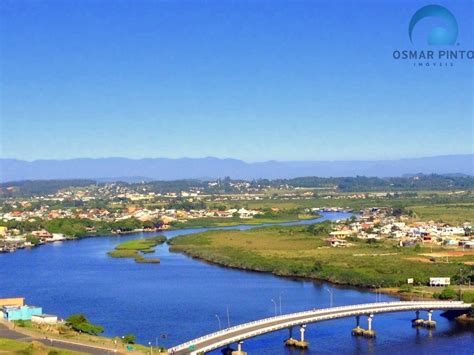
x,y
469,263
420,260
449,253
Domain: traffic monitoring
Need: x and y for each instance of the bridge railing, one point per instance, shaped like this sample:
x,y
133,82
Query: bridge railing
x,y
350,311
315,312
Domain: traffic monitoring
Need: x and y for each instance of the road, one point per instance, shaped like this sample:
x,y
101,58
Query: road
x,y
256,328
8,333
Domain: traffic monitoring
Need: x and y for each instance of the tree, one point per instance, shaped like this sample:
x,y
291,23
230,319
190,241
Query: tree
x,y
32,239
129,339
79,323
321,228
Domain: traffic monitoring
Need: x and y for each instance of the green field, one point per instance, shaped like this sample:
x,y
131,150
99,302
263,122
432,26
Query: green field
x,y
448,213
294,251
234,221
136,248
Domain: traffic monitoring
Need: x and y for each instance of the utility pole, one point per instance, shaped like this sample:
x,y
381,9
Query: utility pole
x,y
280,303
276,312
219,320
330,296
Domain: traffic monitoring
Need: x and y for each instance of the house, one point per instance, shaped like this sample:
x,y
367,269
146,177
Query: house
x,y
468,244
334,242
44,319
11,313
341,234
450,242
427,238
440,281
243,213
42,234
16,302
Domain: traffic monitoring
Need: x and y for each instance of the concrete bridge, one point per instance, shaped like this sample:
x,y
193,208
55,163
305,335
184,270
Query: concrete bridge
x,y
239,333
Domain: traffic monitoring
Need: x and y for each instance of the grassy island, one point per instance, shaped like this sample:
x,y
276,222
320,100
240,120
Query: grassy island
x,y
301,251
136,248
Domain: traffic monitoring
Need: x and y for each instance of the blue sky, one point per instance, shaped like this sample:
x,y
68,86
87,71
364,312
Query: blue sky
x,y
255,80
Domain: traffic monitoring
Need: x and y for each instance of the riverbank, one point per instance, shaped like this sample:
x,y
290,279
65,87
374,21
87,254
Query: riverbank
x,y
296,252
207,222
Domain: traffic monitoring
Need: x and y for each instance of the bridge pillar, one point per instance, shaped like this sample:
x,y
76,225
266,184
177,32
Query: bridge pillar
x,y
430,323
302,330
290,341
417,321
369,333
239,349
303,344
357,330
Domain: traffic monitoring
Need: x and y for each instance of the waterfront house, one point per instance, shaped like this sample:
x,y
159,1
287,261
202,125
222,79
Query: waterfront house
x,y
11,313
14,302
43,234
44,319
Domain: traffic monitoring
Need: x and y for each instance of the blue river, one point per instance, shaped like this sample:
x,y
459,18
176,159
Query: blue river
x,y
177,300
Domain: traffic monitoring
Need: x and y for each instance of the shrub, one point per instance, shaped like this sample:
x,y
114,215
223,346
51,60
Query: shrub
x,y
21,323
448,293
129,339
468,297
79,323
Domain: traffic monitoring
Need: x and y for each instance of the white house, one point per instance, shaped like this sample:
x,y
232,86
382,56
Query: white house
x,y
440,281
44,319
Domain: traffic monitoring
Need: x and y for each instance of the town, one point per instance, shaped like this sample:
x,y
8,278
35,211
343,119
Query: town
x,y
34,213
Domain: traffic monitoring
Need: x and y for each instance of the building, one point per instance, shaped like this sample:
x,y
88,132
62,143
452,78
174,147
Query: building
x,y
14,302
440,281
11,313
334,242
44,319
341,234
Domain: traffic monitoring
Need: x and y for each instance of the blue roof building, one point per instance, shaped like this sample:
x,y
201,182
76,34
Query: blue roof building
x,y
11,313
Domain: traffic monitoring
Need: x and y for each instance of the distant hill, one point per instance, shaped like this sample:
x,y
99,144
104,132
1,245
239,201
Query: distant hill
x,y
200,168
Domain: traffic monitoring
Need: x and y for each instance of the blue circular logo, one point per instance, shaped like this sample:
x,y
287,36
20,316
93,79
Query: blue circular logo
x,y
446,35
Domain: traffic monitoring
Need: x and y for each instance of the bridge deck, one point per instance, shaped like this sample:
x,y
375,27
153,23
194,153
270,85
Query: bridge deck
x,y
249,330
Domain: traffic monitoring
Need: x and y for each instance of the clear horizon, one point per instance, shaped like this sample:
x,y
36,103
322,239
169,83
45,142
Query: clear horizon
x,y
255,81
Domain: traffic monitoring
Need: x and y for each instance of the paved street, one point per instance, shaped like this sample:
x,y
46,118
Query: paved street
x,y
5,332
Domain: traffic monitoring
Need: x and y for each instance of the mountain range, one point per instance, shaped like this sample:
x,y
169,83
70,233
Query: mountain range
x,y
125,169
